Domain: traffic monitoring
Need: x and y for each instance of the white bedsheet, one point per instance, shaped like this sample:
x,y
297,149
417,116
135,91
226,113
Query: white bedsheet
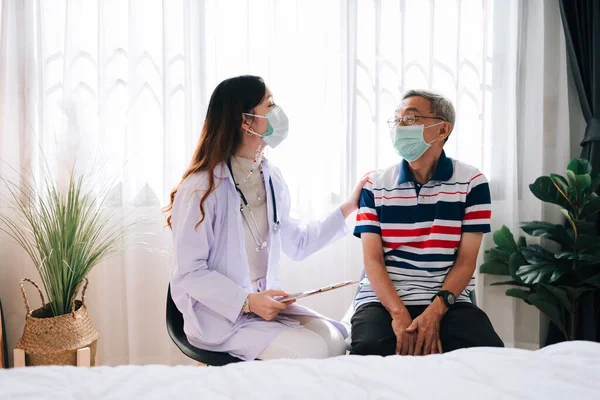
x,y
568,371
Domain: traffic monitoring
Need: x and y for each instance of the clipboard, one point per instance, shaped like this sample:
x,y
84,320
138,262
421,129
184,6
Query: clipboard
x,y
302,295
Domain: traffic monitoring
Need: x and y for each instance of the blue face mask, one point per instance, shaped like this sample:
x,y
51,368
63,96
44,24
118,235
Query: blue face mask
x,y
408,141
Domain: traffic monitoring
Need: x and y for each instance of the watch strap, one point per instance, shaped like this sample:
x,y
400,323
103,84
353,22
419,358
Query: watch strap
x,y
246,306
443,294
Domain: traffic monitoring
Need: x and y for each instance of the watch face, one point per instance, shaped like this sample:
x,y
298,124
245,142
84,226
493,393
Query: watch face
x,y
451,298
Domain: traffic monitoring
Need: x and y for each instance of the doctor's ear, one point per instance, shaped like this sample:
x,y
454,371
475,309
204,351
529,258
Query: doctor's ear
x,y
246,122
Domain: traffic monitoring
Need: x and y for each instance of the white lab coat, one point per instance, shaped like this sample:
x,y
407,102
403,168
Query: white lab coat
x,y
210,275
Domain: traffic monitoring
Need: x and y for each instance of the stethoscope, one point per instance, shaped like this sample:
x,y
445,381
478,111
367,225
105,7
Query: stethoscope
x,y
260,243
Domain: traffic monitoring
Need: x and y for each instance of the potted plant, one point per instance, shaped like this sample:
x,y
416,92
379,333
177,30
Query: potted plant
x,y
65,233
556,276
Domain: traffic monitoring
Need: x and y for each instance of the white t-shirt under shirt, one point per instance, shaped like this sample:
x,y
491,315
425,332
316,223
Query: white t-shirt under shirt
x,y
255,193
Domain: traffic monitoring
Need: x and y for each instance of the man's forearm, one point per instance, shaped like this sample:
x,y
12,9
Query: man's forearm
x,y
456,282
384,288
458,278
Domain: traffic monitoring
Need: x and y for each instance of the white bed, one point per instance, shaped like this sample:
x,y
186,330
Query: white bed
x,y
566,371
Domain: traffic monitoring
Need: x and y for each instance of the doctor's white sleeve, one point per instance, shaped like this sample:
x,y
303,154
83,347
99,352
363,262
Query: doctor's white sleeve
x,y
192,247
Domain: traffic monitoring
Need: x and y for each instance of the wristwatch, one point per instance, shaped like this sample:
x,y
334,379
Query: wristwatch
x,y
246,306
447,296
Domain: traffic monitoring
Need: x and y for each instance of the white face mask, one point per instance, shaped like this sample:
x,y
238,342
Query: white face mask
x,y
409,141
278,127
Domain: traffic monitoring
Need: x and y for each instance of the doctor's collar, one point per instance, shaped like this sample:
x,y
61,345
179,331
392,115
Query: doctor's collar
x,y
222,172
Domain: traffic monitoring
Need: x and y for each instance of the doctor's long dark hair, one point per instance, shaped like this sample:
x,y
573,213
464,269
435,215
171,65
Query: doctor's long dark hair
x,y
222,131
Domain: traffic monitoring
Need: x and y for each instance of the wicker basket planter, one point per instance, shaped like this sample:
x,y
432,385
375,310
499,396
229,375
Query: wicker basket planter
x,y
49,340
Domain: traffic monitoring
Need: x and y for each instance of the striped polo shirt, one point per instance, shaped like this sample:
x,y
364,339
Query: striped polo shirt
x,y
421,225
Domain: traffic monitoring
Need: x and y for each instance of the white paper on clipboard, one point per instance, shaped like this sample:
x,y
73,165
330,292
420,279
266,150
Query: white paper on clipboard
x,y
301,295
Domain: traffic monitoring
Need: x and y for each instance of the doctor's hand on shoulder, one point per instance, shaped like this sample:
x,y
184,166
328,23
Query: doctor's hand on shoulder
x,y
265,306
351,205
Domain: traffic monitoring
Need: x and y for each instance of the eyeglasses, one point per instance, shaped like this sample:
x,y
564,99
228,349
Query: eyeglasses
x,y
408,120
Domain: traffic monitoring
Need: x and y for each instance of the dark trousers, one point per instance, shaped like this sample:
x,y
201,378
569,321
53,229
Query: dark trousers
x,y
463,325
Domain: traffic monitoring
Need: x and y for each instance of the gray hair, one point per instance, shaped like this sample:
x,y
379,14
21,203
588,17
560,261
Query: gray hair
x,y
441,107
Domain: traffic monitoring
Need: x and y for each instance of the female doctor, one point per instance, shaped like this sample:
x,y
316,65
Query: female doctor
x,y
230,221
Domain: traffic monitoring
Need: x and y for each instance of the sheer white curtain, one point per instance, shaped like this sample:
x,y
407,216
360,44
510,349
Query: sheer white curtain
x,y
530,137
122,86
503,64
114,88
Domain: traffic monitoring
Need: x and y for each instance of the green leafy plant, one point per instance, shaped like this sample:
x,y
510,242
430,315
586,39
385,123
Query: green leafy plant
x,y
65,232
554,282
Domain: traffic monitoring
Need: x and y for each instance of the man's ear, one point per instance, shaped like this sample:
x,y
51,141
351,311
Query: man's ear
x,y
445,130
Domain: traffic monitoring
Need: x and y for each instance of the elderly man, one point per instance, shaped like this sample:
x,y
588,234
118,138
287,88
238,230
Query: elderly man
x,y
421,224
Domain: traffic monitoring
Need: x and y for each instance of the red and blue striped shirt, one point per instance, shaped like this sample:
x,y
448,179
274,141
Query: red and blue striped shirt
x,y
421,225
